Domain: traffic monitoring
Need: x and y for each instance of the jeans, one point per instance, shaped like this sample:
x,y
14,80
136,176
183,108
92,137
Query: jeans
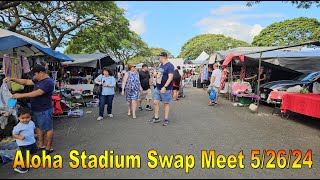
x,y
103,100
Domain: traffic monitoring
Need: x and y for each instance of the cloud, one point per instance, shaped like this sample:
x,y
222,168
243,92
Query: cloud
x,y
231,25
232,29
229,9
137,23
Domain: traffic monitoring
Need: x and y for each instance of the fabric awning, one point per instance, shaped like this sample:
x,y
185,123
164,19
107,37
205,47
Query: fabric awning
x,y
28,47
90,60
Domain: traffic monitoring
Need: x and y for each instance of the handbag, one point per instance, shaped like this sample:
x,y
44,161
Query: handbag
x,y
97,89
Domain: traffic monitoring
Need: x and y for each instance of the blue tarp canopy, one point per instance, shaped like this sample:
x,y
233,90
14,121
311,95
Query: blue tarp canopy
x,y
29,47
10,42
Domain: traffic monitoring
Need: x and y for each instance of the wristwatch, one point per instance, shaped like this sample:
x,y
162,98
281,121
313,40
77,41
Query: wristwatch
x,y
165,87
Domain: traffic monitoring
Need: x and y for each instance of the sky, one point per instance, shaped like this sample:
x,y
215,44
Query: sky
x,y
170,24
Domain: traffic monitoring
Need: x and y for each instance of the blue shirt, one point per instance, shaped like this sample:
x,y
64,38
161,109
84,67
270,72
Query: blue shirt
x,y
43,102
107,80
163,75
26,130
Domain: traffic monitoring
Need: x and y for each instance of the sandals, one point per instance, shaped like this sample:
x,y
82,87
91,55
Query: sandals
x,y
48,151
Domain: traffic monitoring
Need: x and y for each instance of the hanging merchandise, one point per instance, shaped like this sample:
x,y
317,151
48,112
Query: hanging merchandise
x,y
223,78
5,95
205,73
201,74
25,65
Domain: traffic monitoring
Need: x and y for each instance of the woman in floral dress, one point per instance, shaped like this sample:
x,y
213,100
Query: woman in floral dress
x,y
131,88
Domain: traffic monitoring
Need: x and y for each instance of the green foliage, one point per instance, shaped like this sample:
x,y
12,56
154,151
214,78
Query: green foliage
x,y
298,4
289,32
53,22
149,56
208,43
115,39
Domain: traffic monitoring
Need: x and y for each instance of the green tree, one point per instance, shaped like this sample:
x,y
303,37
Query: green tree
x,y
54,22
208,43
149,56
116,40
298,4
289,32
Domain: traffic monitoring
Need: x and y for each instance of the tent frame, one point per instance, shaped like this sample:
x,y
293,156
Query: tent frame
x,y
316,43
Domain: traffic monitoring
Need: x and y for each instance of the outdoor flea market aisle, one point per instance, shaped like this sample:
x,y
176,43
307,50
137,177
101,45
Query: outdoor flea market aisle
x,y
194,127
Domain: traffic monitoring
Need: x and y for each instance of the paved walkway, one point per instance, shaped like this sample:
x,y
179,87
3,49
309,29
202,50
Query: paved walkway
x,y
194,126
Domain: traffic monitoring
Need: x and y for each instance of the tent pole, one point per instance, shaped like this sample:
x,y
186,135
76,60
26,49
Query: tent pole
x,y
231,81
258,89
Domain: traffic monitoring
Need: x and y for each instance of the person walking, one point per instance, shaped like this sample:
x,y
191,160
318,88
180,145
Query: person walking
x,y
108,83
163,91
215,83
41,104
145,80
131,88
177,83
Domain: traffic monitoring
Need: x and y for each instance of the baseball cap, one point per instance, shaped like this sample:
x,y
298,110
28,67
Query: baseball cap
x,y
163,54
38,68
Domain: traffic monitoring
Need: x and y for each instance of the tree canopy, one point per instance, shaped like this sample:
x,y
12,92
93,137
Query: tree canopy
x,y
53,22
208,43
298,4
149,56
117,40
289,32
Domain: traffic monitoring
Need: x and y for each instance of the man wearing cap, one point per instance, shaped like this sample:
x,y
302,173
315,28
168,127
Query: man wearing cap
x,y
41,103
163,90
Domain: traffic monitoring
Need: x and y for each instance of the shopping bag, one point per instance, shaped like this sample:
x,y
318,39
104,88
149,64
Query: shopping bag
x,y
5,95
212,94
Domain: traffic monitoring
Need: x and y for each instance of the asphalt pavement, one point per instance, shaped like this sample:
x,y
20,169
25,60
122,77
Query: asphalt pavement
x,y
193,127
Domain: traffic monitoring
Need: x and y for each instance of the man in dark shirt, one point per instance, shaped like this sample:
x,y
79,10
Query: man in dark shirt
x,y
41,104
163,91
146,92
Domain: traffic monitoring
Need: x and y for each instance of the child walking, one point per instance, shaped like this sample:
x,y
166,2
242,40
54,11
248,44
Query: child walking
x,y
23,132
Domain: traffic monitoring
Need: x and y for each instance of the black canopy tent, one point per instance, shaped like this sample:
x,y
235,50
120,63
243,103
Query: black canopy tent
x,y
315,43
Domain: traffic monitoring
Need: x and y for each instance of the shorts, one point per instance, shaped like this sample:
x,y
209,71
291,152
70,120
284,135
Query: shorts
x,y
145,94
176,88
43,119
216,89
165,97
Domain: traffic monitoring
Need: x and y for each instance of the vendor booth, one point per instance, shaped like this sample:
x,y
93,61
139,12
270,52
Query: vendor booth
x,y
85,67
284,65
18,55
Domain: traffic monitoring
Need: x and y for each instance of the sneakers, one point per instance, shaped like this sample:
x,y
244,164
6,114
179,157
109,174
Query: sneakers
x,y
140,108
110,115
149,108
20,170
166,122
99,118
154,120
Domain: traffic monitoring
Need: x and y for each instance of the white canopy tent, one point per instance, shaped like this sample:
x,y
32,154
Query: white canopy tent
x,y
177,62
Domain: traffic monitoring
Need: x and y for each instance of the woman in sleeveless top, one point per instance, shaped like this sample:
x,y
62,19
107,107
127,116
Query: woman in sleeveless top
x,y
131,88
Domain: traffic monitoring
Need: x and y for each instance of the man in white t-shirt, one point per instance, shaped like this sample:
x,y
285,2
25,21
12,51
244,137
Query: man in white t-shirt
x,y
215,83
